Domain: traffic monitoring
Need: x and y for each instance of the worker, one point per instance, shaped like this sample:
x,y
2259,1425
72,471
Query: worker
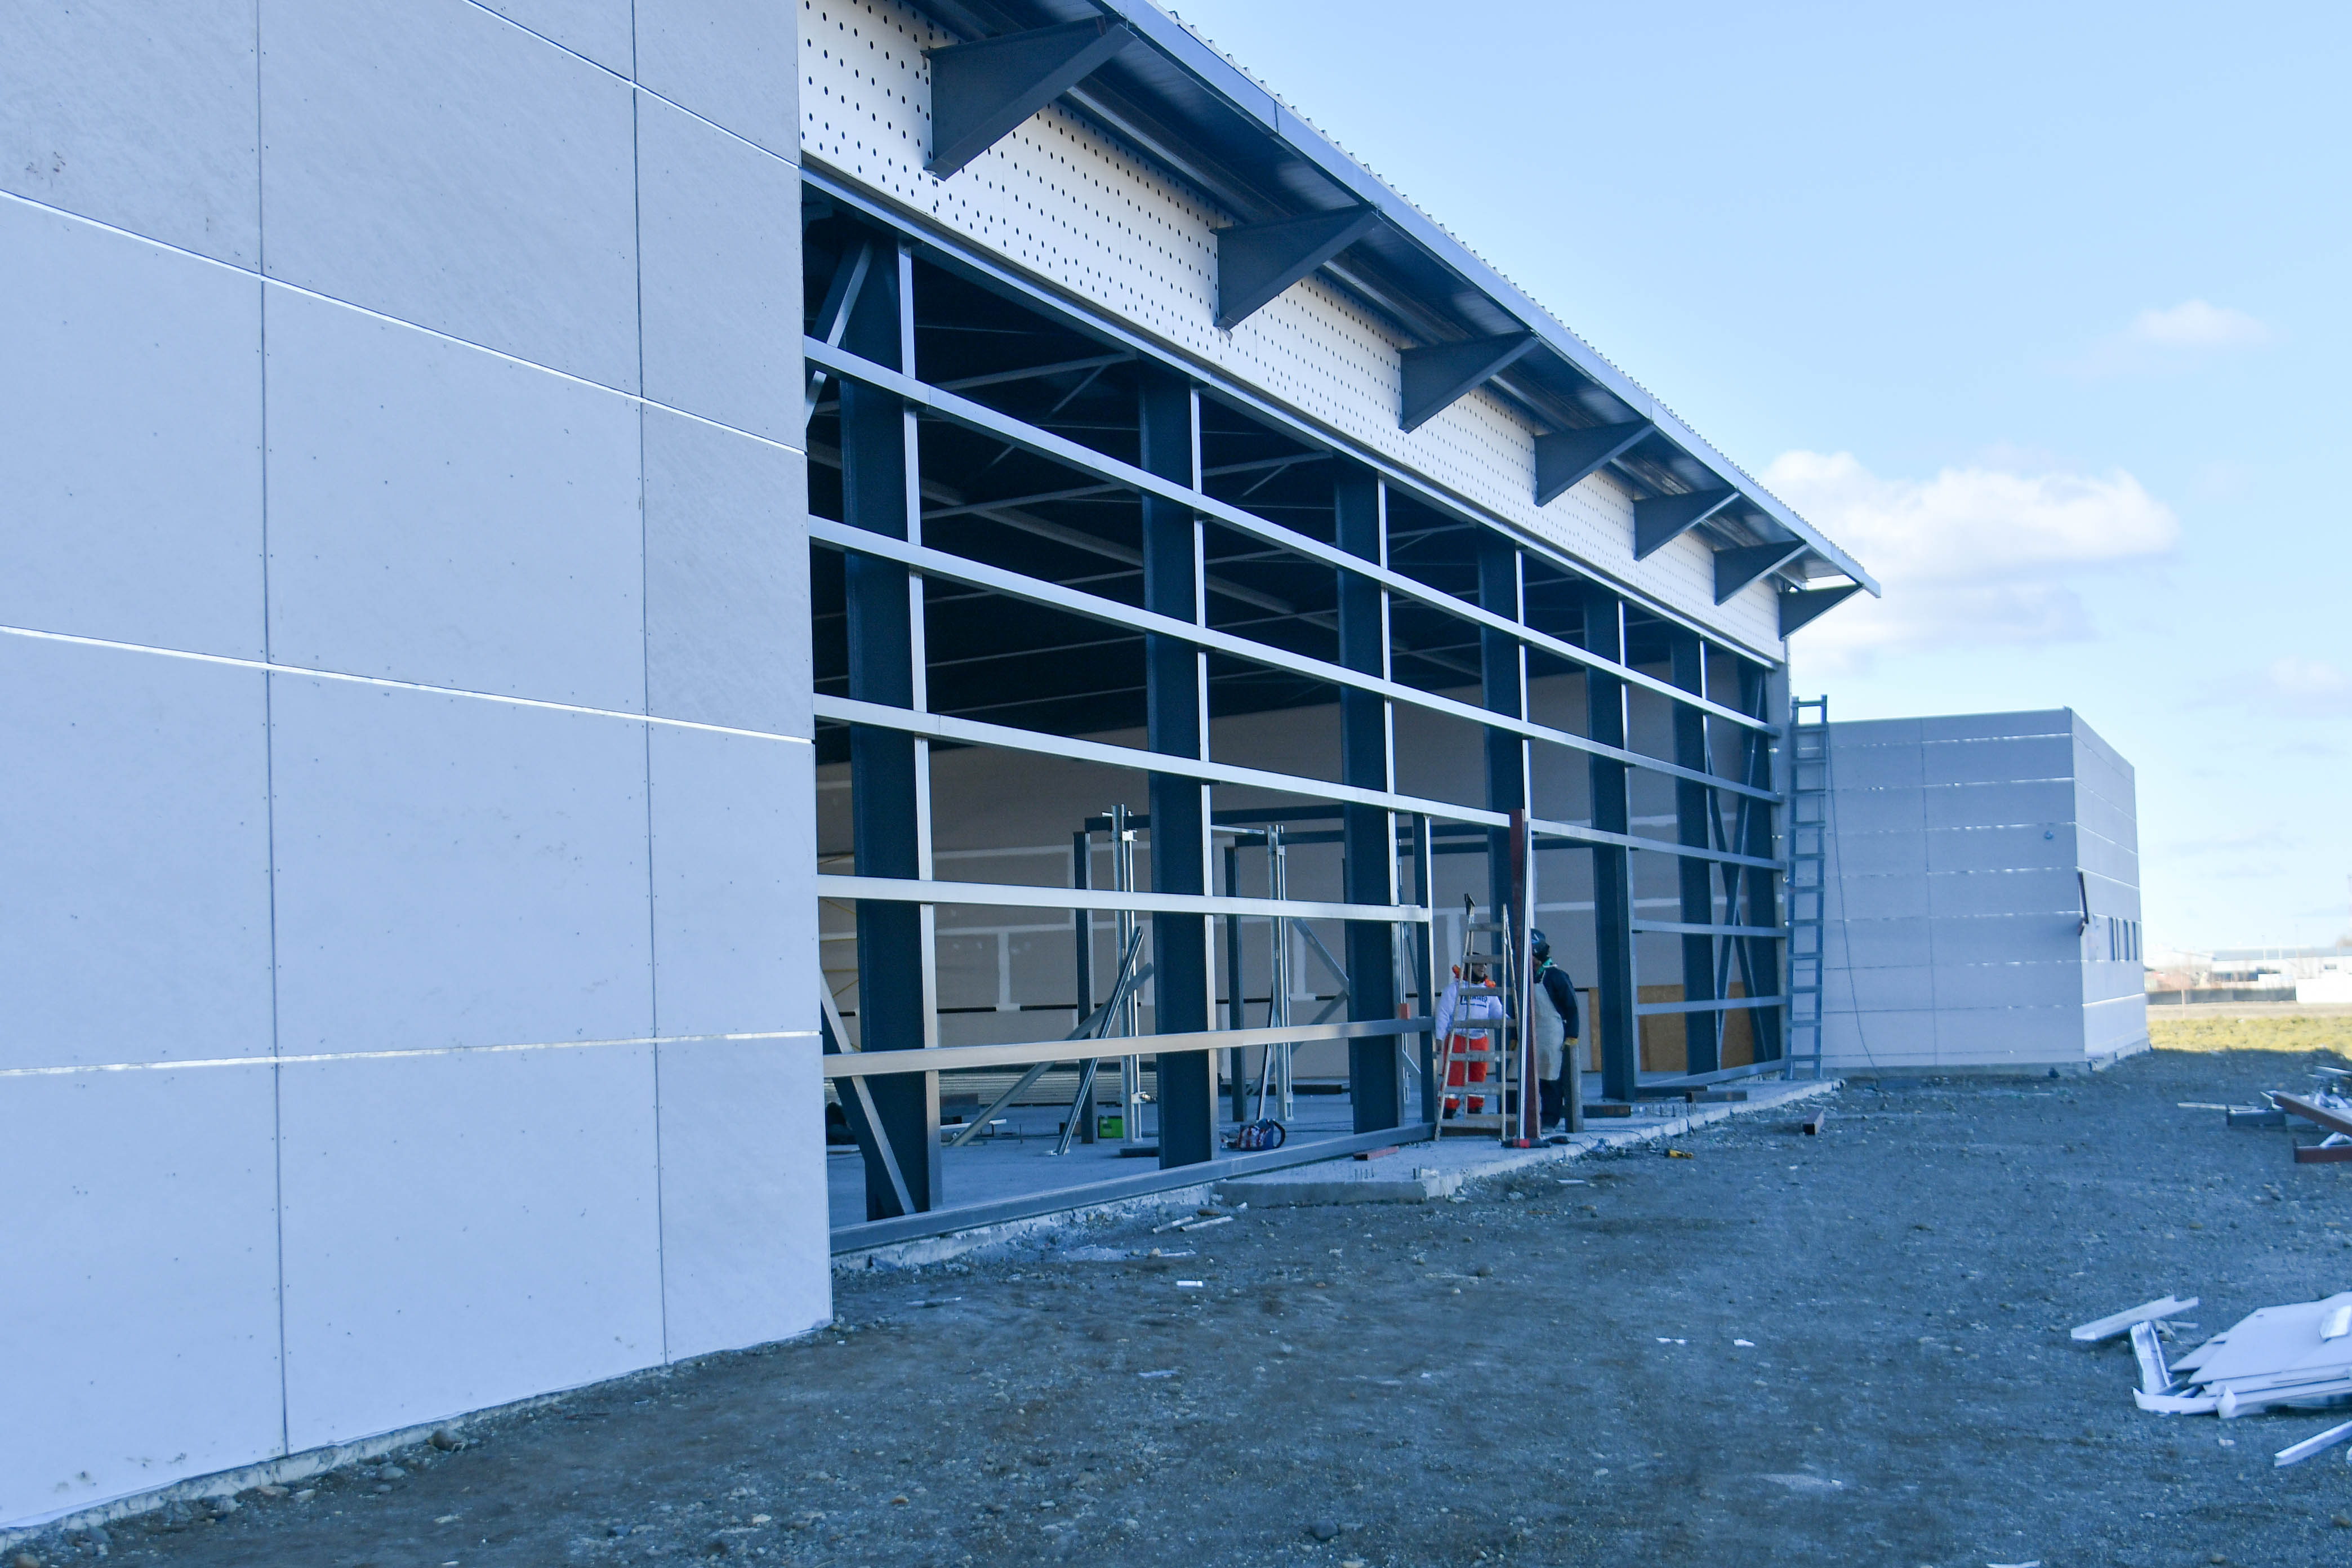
x,y
1557,1030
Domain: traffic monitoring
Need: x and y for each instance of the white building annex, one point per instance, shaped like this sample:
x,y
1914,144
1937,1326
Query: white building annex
x,y
599,598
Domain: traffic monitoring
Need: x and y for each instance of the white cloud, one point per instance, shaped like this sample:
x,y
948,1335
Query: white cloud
x,y
2194,324
2311,685
1972,556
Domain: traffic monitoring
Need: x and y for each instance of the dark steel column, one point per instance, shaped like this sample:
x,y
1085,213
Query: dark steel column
x,y
1694,804
1761,955
1368,863
1176,677
1612,869
1502,688
885,792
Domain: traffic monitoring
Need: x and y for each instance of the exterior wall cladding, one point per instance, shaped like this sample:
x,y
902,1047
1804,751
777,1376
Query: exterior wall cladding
x,y
1964,854
406,706
407,818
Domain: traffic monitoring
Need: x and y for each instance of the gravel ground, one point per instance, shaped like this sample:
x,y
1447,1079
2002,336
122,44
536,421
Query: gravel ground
x,y
1849,1349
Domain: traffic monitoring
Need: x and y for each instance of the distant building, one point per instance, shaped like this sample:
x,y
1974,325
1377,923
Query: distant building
x,y
1981,896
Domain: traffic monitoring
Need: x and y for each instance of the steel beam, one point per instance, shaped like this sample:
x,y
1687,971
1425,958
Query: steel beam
x,y
1799,607
1176,706
1257,261
895,986
1110,611
1060,449
1659,520
1612,869
981,91
1693,805
1367,834
1441,374
1566,459
1734,569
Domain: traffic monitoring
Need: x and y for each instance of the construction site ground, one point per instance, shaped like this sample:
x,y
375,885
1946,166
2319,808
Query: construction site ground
x,y
1844,1349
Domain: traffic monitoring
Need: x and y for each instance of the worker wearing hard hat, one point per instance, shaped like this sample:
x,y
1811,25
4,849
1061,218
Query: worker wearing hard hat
x,y
1552,1010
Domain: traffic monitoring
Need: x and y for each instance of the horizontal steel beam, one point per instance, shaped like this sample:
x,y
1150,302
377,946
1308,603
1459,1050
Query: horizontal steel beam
x,y
974,732
960,1059
1681,928
1070,454
1014,896
1724,1004
939,563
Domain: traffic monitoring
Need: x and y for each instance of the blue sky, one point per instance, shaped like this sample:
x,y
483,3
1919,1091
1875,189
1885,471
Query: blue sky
x,y
2042,310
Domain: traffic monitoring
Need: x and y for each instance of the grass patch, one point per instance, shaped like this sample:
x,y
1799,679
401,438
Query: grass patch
x,y
2281,1033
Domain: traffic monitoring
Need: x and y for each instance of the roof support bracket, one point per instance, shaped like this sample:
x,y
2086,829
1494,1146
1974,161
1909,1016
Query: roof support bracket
x,y
1566,459
1805,603
981,91
1734,569
1257,261
1659,520
1438,376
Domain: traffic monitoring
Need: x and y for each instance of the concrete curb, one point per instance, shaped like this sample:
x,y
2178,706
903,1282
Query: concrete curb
x,y
1426,1173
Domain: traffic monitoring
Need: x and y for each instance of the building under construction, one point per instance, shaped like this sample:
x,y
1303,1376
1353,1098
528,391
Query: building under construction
x,y
601,600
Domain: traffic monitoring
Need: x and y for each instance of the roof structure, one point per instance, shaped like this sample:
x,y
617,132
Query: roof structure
x,y
1302,204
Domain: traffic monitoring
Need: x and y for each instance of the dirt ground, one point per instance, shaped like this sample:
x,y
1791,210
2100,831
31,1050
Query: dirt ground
x,y
1849,1349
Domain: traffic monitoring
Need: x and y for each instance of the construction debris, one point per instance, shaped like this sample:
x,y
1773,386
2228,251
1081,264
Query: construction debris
x,y
2295,1356
2296,1453
2108,1327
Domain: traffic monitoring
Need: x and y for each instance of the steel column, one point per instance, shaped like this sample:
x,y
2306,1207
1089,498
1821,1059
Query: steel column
x,y
1694,805
1763,692
886,767
1367,834
1502,688
1177,720
1612,869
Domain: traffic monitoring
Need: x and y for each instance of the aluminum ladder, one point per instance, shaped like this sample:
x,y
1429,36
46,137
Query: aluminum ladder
x,y
1498,1055
1808,800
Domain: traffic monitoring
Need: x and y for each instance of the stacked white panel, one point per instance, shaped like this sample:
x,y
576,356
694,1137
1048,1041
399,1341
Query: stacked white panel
x,y
1959,850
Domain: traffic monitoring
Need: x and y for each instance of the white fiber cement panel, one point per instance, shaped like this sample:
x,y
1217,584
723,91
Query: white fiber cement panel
x,y
719,294
135,846
132,469
465,1228
430,161
445,516
140,116
734,866
746,1241
453,871
727,564
141,1335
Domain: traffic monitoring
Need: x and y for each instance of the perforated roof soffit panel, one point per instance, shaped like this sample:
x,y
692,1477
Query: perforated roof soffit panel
x,y
1300,206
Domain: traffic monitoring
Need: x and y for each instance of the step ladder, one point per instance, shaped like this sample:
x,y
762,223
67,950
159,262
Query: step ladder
x,y
1808,800
1490,1065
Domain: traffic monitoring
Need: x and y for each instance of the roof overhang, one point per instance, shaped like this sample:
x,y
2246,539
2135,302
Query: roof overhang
x,y
1306,206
